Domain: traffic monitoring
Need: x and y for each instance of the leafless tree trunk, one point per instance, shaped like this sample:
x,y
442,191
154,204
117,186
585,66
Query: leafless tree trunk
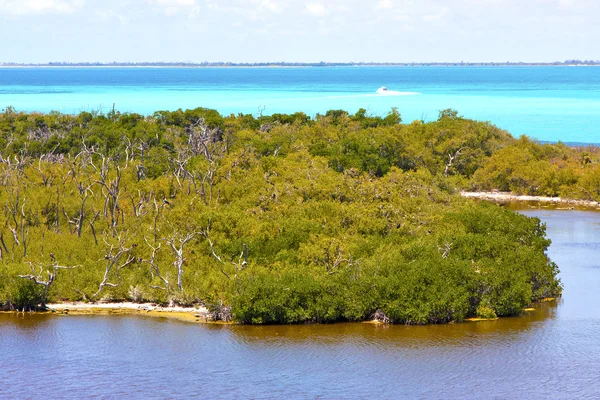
x,y
70,221
3,244
239,266
181,241
334,257
445,249
141,169
111,193
84,193
139,205
37,277
92,226
157,214
113,263
20,230
47,180
451,159
154,269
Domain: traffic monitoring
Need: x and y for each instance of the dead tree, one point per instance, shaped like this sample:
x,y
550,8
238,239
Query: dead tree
x,y
206,234
72,222
77,169
139,205
451,159
157,214
114,262
333,257
179,169
239,266
17,163
143,146
20,231
6,177
175,241
129,151
92,222
111,191
3,243
208,177
37,277
85,157
445,249
47,179
202,141
84,192
201,137
154,269
242,261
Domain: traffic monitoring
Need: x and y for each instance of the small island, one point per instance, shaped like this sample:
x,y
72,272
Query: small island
x,y
280,218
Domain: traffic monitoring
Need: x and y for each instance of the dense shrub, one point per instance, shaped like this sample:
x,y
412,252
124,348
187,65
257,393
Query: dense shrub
x,y
283,218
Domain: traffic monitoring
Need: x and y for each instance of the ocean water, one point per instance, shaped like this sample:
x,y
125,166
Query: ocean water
x,y
546,103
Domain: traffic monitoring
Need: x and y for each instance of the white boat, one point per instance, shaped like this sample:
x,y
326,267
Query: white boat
x,y
382,90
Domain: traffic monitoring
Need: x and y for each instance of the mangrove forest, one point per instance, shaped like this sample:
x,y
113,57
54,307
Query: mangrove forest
x,y
279,218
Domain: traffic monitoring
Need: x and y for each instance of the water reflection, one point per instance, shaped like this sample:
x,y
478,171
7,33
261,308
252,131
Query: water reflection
x,y
401,336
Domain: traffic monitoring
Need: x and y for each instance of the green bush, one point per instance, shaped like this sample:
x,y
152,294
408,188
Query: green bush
x,y
26,296
282,218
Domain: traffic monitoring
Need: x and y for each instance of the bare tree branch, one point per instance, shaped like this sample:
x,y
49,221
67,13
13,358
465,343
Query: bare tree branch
x,y
38,279
181,241
113,263
154,269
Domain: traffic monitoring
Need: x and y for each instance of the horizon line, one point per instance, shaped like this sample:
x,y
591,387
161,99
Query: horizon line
x,y
292,63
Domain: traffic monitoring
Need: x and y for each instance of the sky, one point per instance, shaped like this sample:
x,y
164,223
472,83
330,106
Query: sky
x,y
40,31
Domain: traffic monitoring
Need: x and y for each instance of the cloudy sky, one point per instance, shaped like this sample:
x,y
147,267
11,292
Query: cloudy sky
x,y
293,30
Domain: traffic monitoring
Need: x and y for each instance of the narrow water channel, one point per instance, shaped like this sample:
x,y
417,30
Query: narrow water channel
x,y
551,353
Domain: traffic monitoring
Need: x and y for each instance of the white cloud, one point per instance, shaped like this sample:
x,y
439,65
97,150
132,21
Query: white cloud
x,y
29,7
107,15
385,4
237,12
174,3
270,5
316,9
582,4
173,7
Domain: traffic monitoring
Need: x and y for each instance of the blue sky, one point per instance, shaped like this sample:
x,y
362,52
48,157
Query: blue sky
x,y
289,30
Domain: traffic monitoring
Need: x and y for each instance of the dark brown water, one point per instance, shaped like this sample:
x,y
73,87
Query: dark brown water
x,y
552,353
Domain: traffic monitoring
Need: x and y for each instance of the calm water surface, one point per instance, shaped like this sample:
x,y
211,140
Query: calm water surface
x,y
547,103
553,353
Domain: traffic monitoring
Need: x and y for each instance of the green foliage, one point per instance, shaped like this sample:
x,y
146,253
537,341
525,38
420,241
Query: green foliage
x,y
283,218
527,167
484,311
25,296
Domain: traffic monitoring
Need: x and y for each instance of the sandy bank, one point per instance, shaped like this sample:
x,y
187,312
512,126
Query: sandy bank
x,y
188,314
504,197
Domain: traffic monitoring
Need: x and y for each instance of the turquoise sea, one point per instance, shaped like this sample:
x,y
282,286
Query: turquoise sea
x,y
546,103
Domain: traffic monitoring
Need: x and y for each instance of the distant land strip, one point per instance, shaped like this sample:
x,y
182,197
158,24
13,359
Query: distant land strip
x,y
299,64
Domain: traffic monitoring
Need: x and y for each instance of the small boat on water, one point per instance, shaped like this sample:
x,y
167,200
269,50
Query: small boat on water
x,y
384,91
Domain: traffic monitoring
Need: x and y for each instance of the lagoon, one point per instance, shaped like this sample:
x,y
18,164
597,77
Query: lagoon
x,y
550,353
545,102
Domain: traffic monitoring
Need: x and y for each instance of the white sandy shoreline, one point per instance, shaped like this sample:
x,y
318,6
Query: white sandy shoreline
x,y
124,306
187,314
503,197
